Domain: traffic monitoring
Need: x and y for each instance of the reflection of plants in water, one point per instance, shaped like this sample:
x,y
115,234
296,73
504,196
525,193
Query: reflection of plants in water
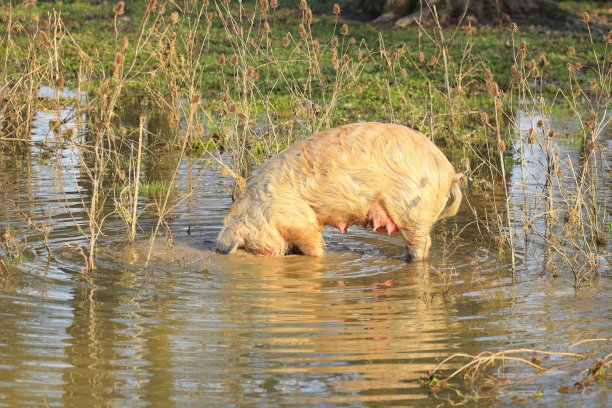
x,y
13,242
11,247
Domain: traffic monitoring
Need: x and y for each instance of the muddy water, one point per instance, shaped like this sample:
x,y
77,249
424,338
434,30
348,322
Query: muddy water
x,y
357,327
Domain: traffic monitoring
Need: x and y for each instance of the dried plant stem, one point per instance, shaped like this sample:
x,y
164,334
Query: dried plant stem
x,y
487,358
132,235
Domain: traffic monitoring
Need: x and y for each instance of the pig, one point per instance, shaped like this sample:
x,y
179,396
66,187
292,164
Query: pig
x,y
386,176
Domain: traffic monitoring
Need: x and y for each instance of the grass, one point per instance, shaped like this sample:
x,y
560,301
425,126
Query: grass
x,y
154,188
239,82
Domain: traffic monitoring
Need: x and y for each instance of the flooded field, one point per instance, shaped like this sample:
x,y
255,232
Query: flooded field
x,y
357,327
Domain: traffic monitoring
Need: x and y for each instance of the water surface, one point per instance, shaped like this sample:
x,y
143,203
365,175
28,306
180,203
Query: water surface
x,y
357,327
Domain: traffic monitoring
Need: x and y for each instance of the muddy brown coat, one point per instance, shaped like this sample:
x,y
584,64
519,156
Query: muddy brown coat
x,y
384,175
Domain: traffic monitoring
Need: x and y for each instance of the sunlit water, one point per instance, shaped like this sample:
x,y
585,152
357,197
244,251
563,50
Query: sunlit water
x,y
357,327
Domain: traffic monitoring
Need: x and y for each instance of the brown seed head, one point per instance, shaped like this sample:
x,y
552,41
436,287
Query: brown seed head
x,y
609,38
501,146
174,18
308,16
535,72
515,73
315,45
199,128
344,29
119,59
334,41
586,17
532,64
224,170
196,99
336,9
484,118
542,60
303,5
122,131
421,56
513,27
540,123
550,133
266,27
274,4
494,89
45,39
252,72
119,8
221,59
151,4
263,4
404,73
125,43
68,133
104,88
54,124
303,32
234,60
571,50
352,41
286,40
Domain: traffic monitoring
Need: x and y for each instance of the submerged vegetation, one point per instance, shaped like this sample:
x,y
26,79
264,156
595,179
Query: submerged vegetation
x,y
240,81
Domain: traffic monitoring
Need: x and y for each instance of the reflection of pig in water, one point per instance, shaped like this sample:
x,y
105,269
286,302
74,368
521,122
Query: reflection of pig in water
x,y
387,176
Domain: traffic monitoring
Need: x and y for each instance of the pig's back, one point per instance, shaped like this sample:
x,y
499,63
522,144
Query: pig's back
x,y
355,157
